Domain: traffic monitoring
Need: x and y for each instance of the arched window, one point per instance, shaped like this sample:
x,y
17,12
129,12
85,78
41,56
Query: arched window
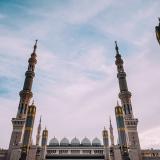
x,y
128,107
21,109
25,109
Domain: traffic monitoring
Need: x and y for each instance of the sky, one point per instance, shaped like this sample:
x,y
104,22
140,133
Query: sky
x,y
76,88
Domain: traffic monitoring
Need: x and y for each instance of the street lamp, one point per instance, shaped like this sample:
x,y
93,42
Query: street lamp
x,y
157,29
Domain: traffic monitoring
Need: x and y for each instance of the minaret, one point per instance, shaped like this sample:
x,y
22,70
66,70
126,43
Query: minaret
x,y
106,143
111,132
38,153
25,96
44,143
122,140
27,138
121,132
111,140
124,94
38,136
129,120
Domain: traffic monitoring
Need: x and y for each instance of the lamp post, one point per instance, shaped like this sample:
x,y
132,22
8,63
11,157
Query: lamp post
x,y
157,29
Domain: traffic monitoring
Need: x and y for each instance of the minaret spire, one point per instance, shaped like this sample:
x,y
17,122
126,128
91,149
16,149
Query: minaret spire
x,y
35,47
40,119
117,103
33,102
116,47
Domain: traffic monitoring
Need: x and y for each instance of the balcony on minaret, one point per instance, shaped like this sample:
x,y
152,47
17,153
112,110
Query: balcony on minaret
x,y
131,123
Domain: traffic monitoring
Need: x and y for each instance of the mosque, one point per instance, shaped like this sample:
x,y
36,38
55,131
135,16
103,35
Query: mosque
x,y
127,148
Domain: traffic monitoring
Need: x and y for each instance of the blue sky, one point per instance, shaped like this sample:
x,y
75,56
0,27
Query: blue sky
x,y
75,88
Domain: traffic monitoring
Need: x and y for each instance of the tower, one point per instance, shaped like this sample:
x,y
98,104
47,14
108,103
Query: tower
x,y
106,143
111,132
120,125
38,136
25,96
44,143
121,132
38,153
111,140
26,143
129,120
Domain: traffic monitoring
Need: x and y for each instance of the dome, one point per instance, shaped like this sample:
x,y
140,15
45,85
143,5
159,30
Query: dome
x,y
54,142
75,142
96,142
64,142
86,142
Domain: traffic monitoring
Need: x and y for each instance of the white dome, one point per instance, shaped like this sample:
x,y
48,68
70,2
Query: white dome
x,y
86,142
64,142
75,142
54,142
96,142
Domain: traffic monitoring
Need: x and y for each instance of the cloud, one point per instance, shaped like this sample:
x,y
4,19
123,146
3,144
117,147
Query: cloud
x,y
149,141
2,16
76,87
81,12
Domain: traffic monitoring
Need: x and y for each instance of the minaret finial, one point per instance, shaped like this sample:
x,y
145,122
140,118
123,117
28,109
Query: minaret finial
x,y
117,103
116,47
110,120
35,46
38,132
40,119
159,20
33,102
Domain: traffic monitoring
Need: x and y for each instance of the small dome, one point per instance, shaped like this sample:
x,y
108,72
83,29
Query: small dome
x,y
75,142
64,142
54,142
86,142
96,142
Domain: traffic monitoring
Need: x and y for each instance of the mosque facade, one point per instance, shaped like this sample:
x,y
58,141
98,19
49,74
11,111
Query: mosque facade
x,y
128,147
